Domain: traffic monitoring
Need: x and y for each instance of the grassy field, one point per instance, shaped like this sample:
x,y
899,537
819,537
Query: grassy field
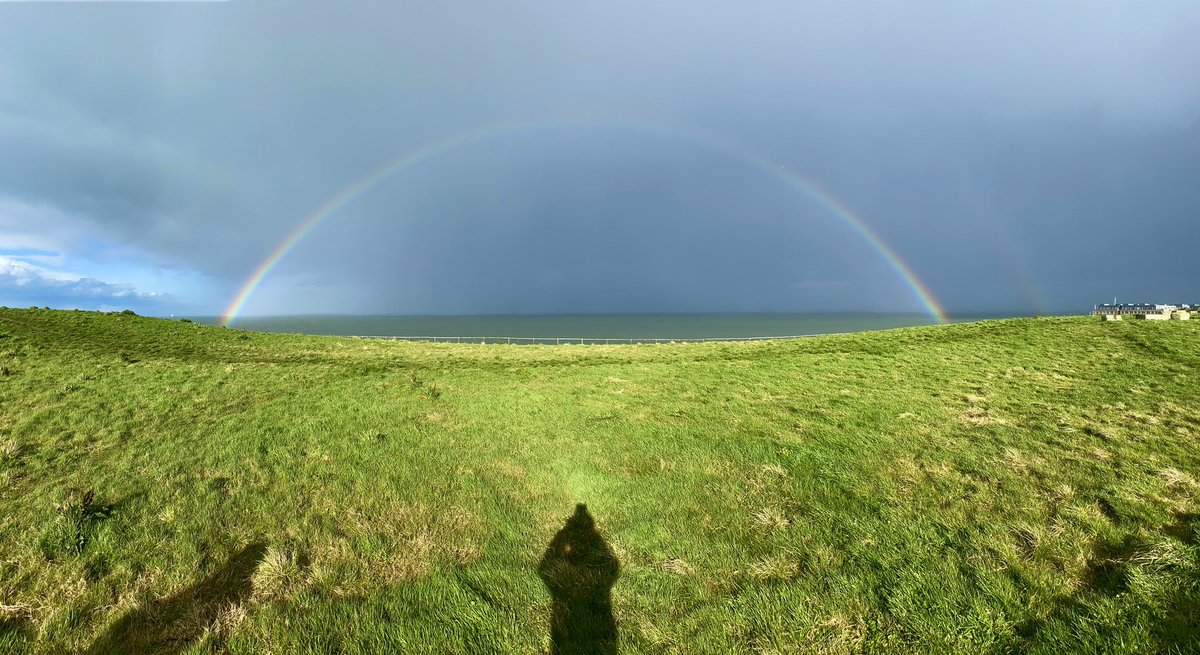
x,y
1019,486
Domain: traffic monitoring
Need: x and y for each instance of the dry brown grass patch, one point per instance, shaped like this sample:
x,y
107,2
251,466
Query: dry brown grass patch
x,y
1176,478
229,619
651,632
280,574
408,541
467,554
677,566
1142,418
774,469
771,518
432,418
837,634
779,568
16,611
413,560
977,416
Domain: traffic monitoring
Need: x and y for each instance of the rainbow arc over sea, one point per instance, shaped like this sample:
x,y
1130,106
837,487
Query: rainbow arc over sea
x,y
715,142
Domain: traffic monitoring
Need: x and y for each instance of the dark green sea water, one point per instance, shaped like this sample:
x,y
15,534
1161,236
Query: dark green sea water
x,y
591,327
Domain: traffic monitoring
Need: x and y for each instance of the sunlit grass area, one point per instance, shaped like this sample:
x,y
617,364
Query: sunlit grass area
x,y
1007,486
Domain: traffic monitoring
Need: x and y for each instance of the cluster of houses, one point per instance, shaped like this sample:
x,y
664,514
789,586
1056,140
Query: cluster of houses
x,y
1144,311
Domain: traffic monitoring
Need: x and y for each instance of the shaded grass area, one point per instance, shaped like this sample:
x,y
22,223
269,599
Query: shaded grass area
x,y
204,609
1008,486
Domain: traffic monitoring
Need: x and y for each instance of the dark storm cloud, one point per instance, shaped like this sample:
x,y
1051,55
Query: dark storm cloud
x,y
998,147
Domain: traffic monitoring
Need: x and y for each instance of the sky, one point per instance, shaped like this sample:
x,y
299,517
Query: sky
x,y
550,157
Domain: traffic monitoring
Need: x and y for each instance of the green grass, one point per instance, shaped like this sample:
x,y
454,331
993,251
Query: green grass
x,y
1021,486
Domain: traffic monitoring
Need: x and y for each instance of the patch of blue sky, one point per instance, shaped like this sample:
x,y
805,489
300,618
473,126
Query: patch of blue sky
x,y
99,275
51,257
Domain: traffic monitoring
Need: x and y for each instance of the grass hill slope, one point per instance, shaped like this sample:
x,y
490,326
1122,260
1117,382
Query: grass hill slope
x,y
1008,486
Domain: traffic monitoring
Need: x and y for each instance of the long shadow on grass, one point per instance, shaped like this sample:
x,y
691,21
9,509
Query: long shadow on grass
x,y
580,569
1176,629
14,633
169,626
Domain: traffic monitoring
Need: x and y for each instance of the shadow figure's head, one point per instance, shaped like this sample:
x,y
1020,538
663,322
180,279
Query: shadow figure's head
x,y
581,519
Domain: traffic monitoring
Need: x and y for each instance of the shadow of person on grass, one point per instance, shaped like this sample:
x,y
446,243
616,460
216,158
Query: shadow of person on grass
x,y
169,626
1108,574
14,632
580,569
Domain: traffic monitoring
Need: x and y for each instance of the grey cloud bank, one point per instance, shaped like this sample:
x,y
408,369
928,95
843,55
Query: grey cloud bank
x,y
999,148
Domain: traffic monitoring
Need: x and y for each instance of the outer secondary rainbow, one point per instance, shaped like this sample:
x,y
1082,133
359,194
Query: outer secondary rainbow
x,y
715,142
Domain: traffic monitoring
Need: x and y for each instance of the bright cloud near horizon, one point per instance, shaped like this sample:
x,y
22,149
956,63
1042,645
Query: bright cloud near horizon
x,y
405,158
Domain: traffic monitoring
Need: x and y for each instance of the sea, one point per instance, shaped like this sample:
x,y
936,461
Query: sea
x,y
590,328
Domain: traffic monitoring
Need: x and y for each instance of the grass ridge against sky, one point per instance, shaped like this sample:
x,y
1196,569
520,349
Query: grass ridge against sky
x,y
1028,485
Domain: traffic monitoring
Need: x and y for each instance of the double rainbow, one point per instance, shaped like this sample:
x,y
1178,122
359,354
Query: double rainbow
x,y
711,141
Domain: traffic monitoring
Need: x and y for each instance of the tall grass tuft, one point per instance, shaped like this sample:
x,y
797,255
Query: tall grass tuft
x,y
282,573
74,527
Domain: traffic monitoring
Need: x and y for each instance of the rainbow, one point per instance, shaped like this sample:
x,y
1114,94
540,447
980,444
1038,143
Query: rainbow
x,y
714,142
